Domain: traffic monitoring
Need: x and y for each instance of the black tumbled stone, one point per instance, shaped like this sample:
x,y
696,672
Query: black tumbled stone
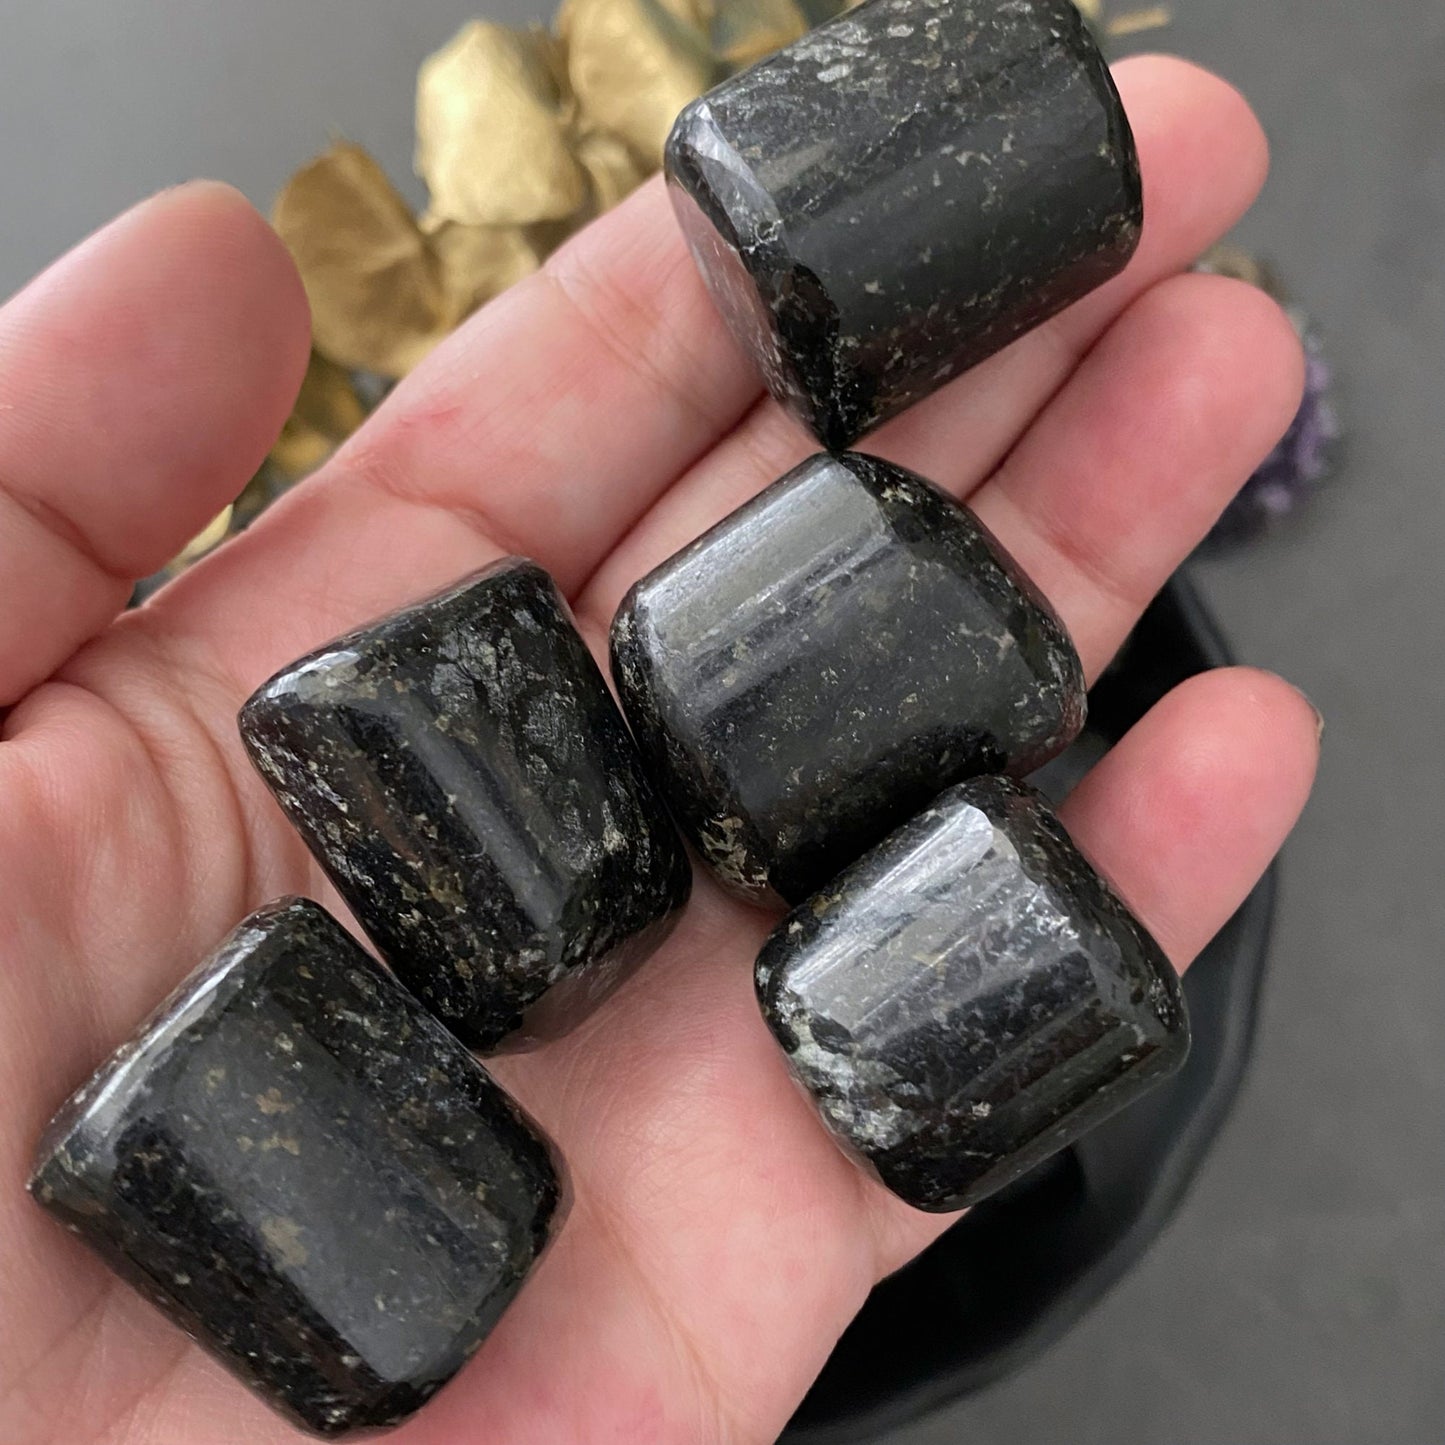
x,y
462,773
902,192
308,1174
970,997
810,672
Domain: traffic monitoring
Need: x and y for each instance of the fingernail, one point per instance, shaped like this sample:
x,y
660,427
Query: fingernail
x,y
1319,716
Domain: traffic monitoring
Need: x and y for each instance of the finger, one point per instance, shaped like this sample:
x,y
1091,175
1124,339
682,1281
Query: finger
x,y
1131,463
1183,817
1203,159
142,379
719,1241
697,1158
1187,812
553,420
544,426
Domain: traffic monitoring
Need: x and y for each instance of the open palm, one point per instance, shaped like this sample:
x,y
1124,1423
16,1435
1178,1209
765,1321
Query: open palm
x,y
596,417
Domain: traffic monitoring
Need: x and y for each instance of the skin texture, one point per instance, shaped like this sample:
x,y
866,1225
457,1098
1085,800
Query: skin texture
x,y
596,418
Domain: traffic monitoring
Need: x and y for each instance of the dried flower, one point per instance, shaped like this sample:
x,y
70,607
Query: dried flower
x,y
327,411
1130,22
633,65
744,31
612,170
479,262
378,299
492,120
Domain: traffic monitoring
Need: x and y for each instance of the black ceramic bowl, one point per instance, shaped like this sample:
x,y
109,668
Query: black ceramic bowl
x,y
1018,1270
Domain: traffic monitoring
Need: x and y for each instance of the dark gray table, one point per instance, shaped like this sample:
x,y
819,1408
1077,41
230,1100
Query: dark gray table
x,y
1300,1296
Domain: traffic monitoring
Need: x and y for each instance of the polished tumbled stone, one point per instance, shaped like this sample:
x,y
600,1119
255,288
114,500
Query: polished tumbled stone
x,y
462,772
970,997
308,1174
813,670
903,191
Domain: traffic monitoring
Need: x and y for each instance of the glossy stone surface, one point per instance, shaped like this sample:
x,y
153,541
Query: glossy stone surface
x,y
308,1174
902,192
462,772
970,997
810,672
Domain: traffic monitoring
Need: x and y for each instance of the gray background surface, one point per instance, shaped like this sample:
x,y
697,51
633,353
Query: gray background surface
x,y
1300,1295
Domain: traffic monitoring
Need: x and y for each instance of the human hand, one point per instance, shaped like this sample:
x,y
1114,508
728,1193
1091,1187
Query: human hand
x,y
595,418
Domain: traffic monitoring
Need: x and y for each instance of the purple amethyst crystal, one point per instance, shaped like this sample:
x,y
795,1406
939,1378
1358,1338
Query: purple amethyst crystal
x,y
1301,459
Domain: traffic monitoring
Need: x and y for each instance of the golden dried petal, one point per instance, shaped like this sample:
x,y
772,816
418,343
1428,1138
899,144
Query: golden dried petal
x,y
547,236
377,298
327,411
1152,17
746,30
611,168
634,64
491,138
258,494
696,13
328,401
299,450
1132,22
479,262
211,536
1224,258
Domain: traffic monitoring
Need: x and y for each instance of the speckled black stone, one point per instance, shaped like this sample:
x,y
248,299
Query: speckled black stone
x,y
815,668
903,191
970,997
308,1174
462,772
